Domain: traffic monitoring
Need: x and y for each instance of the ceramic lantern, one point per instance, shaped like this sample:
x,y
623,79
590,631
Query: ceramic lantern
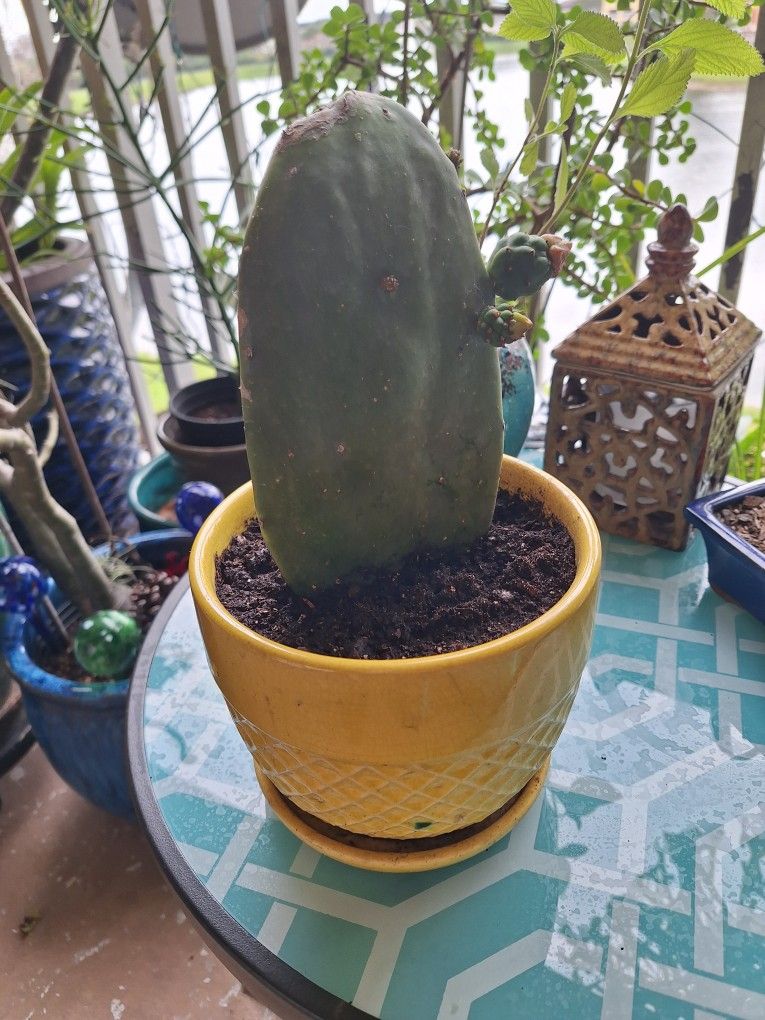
x,y
646,396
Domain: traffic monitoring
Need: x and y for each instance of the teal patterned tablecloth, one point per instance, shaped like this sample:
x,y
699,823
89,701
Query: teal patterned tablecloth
x,y
635,887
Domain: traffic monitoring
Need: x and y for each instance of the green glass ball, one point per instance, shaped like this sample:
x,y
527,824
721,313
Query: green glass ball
x,y
107,643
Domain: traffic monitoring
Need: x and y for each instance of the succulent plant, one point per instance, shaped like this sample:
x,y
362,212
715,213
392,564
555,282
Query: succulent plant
x,y
371,397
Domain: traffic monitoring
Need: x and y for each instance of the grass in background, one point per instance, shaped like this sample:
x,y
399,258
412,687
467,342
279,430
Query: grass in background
x,y
747,459
155,380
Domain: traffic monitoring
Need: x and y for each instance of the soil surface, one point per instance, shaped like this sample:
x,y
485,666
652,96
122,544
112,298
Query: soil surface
x,y
747,519
434,603
148,590
220,411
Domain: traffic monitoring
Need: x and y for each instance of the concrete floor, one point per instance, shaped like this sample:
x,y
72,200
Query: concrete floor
x,y
108,938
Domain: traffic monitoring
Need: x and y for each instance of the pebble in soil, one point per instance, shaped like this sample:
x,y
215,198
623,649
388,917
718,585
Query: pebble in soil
x,y
747,519
434,603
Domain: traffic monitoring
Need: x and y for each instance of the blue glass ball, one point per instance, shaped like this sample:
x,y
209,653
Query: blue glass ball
x,y
22,584
106,643
194,504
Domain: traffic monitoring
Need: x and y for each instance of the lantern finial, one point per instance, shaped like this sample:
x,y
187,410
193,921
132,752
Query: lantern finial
x,y
672,256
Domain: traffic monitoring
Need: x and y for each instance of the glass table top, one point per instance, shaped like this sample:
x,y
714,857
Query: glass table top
x,y
635,886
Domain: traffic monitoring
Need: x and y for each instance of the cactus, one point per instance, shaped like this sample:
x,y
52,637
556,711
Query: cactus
x,y
522,263
371,398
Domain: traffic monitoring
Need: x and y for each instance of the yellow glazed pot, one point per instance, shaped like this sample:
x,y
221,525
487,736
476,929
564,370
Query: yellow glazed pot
x,y
403,748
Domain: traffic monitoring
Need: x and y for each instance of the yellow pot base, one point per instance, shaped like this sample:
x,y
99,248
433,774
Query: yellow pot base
x,y
407,860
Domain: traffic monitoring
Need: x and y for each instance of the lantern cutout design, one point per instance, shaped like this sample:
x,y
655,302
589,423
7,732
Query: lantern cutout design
x,y
646,396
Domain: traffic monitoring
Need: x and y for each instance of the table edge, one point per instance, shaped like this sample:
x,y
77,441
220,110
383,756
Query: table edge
x,y
241,951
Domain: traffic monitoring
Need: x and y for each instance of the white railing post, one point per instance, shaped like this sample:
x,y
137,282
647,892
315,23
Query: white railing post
x,y
162,62
222,51
136,203
42,38
746,174
284,22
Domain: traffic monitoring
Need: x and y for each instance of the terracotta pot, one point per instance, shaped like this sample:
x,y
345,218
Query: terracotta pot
x,y
404,749
224,466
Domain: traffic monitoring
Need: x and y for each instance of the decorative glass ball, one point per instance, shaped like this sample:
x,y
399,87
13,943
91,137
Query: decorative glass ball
x,y
107,643
194,503
22,584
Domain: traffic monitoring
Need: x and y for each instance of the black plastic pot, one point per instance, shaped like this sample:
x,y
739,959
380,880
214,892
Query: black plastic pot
x,y
224,466
209,413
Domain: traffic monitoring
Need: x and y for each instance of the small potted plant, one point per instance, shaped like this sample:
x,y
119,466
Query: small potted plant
x,y
373,452
72,665
732,524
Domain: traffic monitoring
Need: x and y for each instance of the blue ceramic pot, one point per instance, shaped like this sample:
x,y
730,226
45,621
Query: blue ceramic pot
x,y
75,322
151,487
81,727
516,364
736,568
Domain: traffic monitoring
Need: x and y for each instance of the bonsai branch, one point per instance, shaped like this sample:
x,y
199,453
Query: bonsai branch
x,y
57,540
51,438
39,362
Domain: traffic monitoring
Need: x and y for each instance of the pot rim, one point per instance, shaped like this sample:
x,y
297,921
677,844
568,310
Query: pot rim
x,y
588,553
51,686
199,387
156,464
171,444
701,513
73,258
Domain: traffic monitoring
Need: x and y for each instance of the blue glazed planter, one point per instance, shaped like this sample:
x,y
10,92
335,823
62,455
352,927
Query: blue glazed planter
x,y
81,727
516,364
151,487
74,319
736,568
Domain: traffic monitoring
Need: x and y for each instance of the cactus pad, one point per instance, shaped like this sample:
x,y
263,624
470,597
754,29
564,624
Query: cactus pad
x,y
371,398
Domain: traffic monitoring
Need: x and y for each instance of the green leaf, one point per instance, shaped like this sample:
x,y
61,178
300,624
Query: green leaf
x,y
659,87
530,158
529,20
709,212
567,101
718,50
593,65
595,34
561,185
528,109
600,182
731,8
489,161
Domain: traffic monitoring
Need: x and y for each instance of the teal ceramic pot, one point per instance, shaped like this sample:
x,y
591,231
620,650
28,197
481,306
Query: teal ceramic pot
x,y
516,364
150,488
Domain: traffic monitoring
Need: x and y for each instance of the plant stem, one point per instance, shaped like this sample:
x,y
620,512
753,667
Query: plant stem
x,y
645,6
532,128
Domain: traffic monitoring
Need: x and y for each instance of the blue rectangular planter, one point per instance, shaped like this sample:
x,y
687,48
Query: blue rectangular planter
x,y
736,568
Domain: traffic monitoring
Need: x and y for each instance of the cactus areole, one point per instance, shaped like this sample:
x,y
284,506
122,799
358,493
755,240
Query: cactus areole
x,y
371,396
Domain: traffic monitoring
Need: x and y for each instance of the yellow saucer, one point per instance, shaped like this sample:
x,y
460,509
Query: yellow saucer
x,y
410,860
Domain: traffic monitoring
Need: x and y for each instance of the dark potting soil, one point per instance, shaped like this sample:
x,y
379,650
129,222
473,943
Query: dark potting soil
x,y
433,603
220,411
747,519
148,590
